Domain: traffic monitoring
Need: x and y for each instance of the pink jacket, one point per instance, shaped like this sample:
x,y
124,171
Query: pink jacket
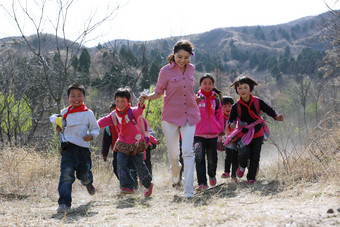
x,y
209,127
131,133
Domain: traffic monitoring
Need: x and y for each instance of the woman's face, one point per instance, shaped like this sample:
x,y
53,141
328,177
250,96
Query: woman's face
x,y
182,57
207,85
243,91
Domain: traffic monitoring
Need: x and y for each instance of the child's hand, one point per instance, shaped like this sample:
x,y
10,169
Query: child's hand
x,y
158,142
279,117
88,137
198,99
141,101
232,126
58,129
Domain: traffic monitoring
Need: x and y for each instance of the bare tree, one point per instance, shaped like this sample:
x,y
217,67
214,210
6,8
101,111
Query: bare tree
x,y
55,58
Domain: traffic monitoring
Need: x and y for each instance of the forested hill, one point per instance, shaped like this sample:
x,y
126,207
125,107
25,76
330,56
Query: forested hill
x,y
274,49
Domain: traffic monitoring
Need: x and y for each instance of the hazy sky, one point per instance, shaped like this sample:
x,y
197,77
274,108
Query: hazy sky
x,y
152,19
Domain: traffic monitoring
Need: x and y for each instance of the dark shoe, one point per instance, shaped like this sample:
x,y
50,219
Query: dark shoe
x,y
63,208
91,189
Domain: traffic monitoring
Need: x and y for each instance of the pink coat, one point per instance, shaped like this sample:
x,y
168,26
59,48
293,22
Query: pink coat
x,y
209,127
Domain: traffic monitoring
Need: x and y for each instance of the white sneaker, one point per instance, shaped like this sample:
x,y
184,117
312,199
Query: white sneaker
x,y
175,180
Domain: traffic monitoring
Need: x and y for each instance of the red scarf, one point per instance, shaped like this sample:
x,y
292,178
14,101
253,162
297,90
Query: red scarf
x,y
208,97
226,117
122,115
81,108
251,113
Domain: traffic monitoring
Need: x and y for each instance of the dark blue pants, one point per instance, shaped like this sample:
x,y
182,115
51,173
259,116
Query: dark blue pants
x,y
231,160
131,166
125,178
252,153
73,159
202,147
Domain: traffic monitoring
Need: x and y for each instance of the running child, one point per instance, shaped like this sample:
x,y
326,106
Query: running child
x,y
131,142
207,131
79,127
231,159
250,128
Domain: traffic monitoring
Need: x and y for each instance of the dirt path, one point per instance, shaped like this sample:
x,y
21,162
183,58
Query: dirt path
x,y
228,204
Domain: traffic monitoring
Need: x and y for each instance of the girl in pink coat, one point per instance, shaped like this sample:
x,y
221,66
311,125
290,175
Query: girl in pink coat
x,y
207,131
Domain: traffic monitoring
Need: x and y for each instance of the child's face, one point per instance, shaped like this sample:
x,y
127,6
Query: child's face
x,y
122,103
76,98
207,85
226,109
182,57
243,91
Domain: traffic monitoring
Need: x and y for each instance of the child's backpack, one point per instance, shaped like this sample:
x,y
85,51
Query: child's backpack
x,y
257,107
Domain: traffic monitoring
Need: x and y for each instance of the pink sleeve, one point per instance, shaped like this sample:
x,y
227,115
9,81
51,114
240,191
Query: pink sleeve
x,y
137,111
105,121
153,139
162,83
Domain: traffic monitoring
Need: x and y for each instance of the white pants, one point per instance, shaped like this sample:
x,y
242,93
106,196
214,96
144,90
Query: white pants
x,y
171,134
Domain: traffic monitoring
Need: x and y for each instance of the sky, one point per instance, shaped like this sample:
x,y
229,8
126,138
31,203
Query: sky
x,y
155,19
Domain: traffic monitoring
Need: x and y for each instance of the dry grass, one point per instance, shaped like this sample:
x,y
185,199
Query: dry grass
x,y
301,196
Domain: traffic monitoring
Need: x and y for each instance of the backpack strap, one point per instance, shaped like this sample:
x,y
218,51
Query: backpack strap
x,y
257,105
217,102
131,116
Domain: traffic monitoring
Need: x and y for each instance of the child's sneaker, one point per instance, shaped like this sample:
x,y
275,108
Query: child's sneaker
x,y
212,181
239,173
250,182
201,187
148,191
234,179
225,175
63,208
124,190
91,189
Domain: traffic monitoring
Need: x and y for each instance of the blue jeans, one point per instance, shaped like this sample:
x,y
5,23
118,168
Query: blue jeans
x,y
202,147
73,159
125,178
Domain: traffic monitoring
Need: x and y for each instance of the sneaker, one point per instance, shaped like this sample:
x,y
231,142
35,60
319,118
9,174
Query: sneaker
x,y
239,173
212,181
201,187
148,191
91,189
124,190
250,182
63,208
175,180
234,179
225,175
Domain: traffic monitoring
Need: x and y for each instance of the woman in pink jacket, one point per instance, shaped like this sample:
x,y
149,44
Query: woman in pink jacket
x,y
180,112
207,131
